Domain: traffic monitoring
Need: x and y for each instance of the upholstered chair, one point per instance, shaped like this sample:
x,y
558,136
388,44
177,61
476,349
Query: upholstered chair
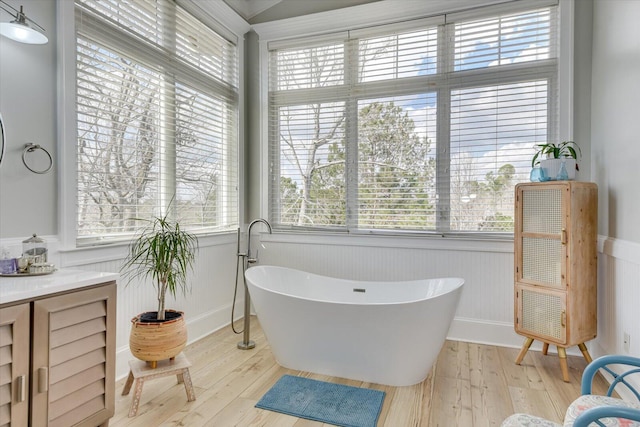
x,y
591,410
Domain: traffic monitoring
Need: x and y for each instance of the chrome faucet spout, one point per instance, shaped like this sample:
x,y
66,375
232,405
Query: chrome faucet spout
x,y
250,259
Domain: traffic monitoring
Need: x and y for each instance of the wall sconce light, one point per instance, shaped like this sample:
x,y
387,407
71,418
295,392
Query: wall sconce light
x,y
19,29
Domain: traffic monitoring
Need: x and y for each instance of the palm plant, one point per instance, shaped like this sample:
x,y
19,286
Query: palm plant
x,y
556,151
164,253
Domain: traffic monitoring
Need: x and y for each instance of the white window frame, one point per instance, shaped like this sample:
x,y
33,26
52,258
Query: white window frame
x,y
224,19
376,14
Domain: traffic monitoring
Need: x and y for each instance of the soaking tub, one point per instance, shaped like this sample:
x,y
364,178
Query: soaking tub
x,y
379,332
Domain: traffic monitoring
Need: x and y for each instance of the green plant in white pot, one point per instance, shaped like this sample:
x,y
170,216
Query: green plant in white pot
x,y
551,155
162,254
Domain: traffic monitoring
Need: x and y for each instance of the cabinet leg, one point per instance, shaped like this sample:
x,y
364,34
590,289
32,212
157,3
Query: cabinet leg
x,y
127,385
523,351
562,354
545,348
585,352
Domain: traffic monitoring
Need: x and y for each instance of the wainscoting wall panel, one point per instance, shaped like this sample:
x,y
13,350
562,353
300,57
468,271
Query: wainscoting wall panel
x,y
485,313
618,297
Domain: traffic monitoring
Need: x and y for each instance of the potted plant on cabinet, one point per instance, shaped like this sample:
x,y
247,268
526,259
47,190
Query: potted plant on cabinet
x,y
162,254
550,157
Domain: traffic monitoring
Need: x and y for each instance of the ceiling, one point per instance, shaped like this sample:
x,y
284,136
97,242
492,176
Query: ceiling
x,y
257,11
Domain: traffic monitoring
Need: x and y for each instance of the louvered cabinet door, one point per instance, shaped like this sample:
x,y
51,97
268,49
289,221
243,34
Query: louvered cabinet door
x,y
73,370
14,365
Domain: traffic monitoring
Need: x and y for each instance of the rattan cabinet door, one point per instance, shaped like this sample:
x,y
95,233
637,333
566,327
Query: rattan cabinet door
x,y
541,234
541,313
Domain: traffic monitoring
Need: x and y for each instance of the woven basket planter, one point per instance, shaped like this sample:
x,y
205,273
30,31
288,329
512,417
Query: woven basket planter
x,y
152,341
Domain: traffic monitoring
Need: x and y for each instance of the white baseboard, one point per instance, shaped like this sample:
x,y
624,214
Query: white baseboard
x,y
495,333
484,332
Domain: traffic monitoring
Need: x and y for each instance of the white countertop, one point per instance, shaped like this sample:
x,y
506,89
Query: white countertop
x,y
14,289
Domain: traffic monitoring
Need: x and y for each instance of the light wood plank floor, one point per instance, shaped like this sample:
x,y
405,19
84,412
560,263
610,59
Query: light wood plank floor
x,y
471,385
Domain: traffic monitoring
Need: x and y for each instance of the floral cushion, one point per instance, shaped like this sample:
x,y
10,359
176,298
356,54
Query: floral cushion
x,y
524,420
589,401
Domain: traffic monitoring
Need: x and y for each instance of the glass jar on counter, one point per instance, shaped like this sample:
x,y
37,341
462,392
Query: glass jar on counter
x,y
34,249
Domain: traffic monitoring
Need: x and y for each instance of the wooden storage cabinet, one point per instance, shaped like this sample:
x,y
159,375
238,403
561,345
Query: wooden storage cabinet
x,y
555,265
70,341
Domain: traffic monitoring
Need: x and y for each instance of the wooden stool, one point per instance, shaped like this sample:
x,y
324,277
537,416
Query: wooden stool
x,y
141,371
562,355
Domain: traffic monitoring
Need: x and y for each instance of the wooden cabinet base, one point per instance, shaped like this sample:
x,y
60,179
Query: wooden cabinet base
x,y
562,355
57,359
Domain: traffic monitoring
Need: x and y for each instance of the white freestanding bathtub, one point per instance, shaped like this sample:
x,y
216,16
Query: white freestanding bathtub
x,y
379,332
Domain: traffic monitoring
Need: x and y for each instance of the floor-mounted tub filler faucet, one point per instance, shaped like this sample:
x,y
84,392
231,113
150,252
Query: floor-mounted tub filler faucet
x,y
247,259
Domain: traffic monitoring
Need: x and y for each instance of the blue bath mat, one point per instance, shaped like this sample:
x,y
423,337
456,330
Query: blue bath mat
x,y
336,404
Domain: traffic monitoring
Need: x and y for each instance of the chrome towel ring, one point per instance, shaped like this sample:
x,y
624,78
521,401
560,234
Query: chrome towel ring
x,y
30,148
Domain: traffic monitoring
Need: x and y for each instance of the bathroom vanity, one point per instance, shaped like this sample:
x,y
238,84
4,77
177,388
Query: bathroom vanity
x,y
57,349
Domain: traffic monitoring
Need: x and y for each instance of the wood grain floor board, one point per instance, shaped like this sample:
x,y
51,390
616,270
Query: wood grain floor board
x,y
471,385
490,399
524,375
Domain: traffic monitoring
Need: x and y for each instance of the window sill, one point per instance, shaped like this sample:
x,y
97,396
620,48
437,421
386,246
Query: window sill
x,y
75,257
413,241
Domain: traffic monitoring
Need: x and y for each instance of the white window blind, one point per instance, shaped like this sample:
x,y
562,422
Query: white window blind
x,y
493,129
504,104
308,148
396,162
505,39
157,114
426,128
394,56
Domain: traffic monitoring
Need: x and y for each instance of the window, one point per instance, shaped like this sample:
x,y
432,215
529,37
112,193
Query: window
x,y
157,117
424,126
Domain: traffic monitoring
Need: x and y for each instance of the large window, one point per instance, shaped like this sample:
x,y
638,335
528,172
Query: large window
x,y
424,126
157,118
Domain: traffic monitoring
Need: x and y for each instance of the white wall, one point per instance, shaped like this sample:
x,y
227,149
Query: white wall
x,y
28,107
583,19
615,157
253,106
615,116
